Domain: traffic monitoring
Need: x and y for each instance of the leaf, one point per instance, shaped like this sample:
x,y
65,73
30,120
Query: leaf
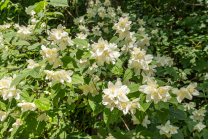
x,y
146,133
31,122
133,87
10,35
60,93
138,36
21,42
2,105
179,135
35,72
117,68
80,42
59,3
143,104
55,13
39,6
42,103
205,133
161,105
66,60
92,104
112,40
102,132
128,74
18,79
191,125
79,54
24,96
169,69
162,114
76,78
118,135
111,116
178,114
34,46
140,115
30,8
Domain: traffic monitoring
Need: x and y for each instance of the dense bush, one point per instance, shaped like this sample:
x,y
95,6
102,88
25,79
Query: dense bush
x,y
128,71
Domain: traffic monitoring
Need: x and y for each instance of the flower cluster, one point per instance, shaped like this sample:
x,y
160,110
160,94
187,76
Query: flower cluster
x,y
168,129
115,96
61,37
25,106
163,61
189,106
89,88
51,55
104,52
59,76
198,115
199,127
3,115
186,92
154,93
7,91
17,124
145,121
139,60
43,117
32,64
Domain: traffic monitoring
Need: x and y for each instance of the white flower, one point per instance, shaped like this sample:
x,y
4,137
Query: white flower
x,y
135,120
17,124
42,117
181,94
32,64
154,31
189,106
206,76
192,90
146,121
199,127
70,100
25,106
1,39
85,89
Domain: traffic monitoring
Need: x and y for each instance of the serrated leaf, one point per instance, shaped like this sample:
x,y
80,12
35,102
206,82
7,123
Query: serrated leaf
x,y
162,115
111,116
178,114
24,96
138,36
178,135
42,103
161,105
35,72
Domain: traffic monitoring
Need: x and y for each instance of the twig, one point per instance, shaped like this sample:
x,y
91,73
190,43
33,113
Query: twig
x,y
126,126
194,4
83,120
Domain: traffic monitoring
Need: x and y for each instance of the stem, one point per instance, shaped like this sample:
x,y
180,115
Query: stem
x,y
126,126
83,120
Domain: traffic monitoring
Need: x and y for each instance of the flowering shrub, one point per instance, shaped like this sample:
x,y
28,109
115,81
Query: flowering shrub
x,y
98,80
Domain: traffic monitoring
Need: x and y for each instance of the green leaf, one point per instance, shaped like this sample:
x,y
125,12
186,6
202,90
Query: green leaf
x,y
111,116
146,133
118,135
2,105
55,13
191,125
30,8
178,114
102,132
21,42
69,60
18,79
35,45
76,78
117,68
128,74
6,124
138,36
205,133
42,103
133,87
160,105
112,40
60,93
24,96
169,69
143,104
59,3
162,114
179,135
140,115
80,42
39,6
92,104
79,54
4,5
10,34
35,72
31,122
